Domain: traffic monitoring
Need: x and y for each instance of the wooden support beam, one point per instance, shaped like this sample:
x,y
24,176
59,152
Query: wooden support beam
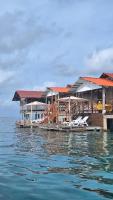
x,y
103,100
91,101
58,110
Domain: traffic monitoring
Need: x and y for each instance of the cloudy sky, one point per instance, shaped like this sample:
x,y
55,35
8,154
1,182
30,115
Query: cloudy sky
x,y
52,42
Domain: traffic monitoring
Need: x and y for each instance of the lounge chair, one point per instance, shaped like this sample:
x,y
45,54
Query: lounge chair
x,y
75,122
83,122
79,122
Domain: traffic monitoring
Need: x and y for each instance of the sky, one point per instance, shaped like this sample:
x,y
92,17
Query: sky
x,y
52,43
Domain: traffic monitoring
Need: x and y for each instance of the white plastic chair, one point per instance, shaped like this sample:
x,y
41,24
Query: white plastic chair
x,y
75,122
83,122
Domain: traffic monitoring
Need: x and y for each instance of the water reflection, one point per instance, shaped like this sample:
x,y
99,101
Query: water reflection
x,y
44,165
88,157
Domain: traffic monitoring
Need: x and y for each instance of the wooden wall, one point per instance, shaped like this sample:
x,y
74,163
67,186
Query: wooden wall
x,y
96,119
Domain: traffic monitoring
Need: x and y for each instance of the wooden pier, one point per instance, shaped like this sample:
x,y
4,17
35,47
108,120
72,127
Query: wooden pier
x,y
67,129
26,124
56,127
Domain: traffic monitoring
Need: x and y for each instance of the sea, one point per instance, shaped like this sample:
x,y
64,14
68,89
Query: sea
x,y
41,165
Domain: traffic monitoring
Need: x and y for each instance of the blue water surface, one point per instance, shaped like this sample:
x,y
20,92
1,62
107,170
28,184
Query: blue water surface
x,y
40,165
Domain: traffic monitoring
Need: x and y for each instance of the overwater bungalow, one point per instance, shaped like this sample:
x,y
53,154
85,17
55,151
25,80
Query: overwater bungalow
x,y
56,109
32,106
88,96
99,92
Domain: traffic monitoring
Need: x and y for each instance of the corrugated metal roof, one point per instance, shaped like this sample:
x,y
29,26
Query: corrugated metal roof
x,y
99,81
28,94
59,89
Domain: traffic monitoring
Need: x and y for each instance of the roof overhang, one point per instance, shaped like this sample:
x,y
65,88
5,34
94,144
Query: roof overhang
x,y
90,83
86,86
82,85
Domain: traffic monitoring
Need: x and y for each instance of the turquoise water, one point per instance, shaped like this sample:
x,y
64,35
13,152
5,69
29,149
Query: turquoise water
x,y
36,165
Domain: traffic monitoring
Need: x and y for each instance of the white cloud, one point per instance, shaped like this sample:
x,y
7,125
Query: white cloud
x,y
4,76
101,58
48,40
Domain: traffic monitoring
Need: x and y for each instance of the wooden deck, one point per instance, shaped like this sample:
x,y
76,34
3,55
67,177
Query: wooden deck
x,y
55,127
26,124
67,129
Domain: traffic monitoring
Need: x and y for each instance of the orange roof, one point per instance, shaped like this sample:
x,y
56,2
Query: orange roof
x,y
107,74
99,81
59,89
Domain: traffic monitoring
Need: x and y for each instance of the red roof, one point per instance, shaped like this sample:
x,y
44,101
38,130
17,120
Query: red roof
x,y
99,81
28,94
59,89
107,74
